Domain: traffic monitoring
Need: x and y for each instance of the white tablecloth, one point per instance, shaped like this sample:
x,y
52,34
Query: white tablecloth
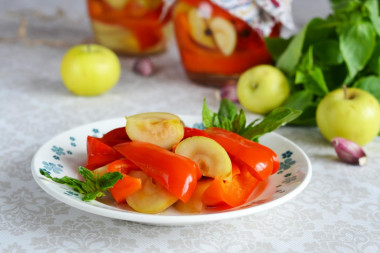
x,y
339,211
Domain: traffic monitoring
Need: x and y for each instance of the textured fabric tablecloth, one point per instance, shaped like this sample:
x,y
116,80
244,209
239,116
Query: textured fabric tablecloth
x,y
339,211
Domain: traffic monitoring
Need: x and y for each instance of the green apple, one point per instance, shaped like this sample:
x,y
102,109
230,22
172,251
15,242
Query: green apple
x,y
90,69
262,89
353,114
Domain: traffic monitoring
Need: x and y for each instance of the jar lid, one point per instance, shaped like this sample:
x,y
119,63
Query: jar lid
x,y
262,15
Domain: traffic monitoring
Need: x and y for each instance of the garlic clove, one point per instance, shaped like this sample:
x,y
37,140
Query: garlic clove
x,y
349,151
143,67
229,91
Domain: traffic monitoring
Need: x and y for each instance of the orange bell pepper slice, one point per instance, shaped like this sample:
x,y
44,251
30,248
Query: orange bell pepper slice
x,y
178,174
234,193
127,185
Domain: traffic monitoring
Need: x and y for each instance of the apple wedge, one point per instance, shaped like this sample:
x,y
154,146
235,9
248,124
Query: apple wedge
x,y
117,4
115,37
151,198
159,128
199,30
210,156
224,34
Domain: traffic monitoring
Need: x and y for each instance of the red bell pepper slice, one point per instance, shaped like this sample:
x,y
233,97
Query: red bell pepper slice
x,y
261,160
190,132
176,173
126,186
99,154
115,136
232,193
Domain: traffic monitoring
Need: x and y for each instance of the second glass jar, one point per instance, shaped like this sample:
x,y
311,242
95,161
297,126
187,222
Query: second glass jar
x,y
214,45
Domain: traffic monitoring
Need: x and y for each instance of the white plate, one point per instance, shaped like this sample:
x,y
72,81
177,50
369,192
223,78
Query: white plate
x,y
64,153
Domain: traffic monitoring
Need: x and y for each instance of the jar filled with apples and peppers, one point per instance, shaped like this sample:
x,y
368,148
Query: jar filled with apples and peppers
x,y
132,27
220,39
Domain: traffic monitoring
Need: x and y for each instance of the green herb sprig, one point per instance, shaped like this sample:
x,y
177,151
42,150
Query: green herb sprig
x,y
93,187
342,49
230,119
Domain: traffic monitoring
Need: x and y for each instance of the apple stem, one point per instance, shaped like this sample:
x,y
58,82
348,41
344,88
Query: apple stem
x,y
345,91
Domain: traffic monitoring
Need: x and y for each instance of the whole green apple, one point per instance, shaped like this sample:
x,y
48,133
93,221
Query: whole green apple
x,y
90,69
353,114
262,89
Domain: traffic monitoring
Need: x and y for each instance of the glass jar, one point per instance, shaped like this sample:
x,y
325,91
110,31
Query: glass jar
x,y
132,27
216,46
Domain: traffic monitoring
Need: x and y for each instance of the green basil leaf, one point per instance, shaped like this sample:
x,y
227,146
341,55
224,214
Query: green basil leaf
x,y
208,116
275,119
288,61
311,76
307,118
75,184
109,179
276,46
372,6
327,52
92,195
299,100
373,65
357,43
227,109
238,124
370,84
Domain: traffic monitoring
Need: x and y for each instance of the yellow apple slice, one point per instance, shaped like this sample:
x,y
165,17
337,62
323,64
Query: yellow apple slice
x,y
160,128
99,172
149,4
115,37
117,4
210,156
224,35
199,30
151,198
195,204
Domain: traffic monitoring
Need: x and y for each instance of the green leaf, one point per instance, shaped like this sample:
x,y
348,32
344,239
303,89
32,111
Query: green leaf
x,y
207,115
345,6
299,100
302,100
238,124
276,46
372,6
92,195
92,187
327,52
227,109
370,84
277,118
288,61
373,64
75,184
108,180
311,76
357,42
307,118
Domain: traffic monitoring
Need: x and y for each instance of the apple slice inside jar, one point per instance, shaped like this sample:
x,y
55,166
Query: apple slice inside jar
x,y
210,156
151,198
224,34
115,37
199,30
117,4
159,128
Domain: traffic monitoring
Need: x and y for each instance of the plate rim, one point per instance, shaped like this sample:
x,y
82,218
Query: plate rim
x,y
171,220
